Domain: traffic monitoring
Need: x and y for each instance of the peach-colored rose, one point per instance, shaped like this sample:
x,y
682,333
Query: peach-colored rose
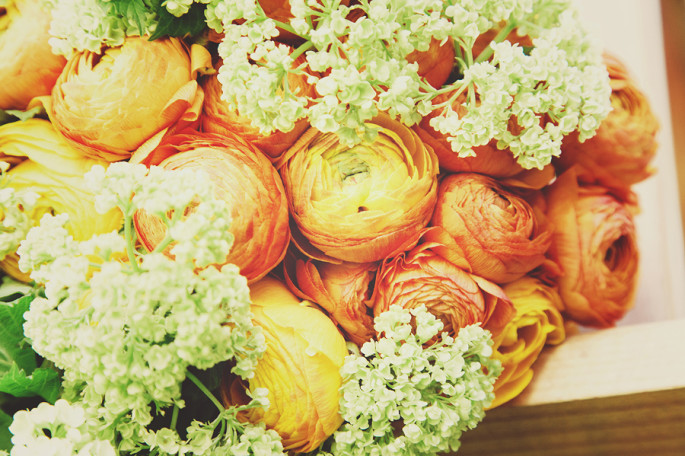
x,y
489,160
244,178
595,245
28,68
458,298
342,290
300,368
496,232
362,203
217,118
537,322
620,153
111,105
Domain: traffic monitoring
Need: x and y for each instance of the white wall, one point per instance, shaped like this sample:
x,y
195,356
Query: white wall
x,y
632,30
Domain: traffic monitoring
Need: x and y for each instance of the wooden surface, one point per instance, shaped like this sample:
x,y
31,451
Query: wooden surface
x,y
644,424
619,391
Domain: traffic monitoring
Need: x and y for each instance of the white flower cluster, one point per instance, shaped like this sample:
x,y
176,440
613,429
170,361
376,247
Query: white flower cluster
x,y
126,326
523,98
15,210
87,25
62,429
433,393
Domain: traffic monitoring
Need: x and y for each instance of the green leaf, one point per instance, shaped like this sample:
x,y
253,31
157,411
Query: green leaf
x,y
13,349
11,290
43,382
28,114
5,434
191,23
134,10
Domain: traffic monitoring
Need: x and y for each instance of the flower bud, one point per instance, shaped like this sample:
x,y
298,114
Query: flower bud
x,y
244,178
537,322
459,299
342,290
620,153
595,245
300,368
495,231
96,105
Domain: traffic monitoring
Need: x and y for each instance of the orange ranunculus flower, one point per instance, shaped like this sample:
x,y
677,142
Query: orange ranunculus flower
x,y
342,290
537,322
595,245
28,68
50,167
244,178
489,160
279,10
110,105
496,232
300,368
217,118
458,298
362,203
620,153
436,63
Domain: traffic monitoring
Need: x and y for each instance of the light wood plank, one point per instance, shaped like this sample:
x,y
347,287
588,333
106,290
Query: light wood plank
x,y
643,424
612,392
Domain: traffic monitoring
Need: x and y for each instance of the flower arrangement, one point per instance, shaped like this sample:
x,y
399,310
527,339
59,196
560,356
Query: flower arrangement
x,y
327,227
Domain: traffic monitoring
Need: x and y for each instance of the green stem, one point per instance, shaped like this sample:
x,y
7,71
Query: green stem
x,y
487,52
301,49
128,235
285,26
174,417
163,245
204,389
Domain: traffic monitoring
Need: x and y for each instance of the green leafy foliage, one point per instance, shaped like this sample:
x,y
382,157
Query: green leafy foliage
x,y
192,23
43,382
5,434
14,352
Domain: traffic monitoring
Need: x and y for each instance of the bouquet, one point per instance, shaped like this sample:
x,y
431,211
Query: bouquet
x,y
330,227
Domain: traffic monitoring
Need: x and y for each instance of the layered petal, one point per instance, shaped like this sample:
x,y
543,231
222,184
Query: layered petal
x,y
361,203
496,232
244,178
458,298
28,68
112,104
342,290
54,170
435,63
620,153
300,368
595,245
538,322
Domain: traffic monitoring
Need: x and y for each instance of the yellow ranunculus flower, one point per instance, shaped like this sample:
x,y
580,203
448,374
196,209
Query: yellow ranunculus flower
x,y
362,203
49,166
300,368
537,322
28,68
